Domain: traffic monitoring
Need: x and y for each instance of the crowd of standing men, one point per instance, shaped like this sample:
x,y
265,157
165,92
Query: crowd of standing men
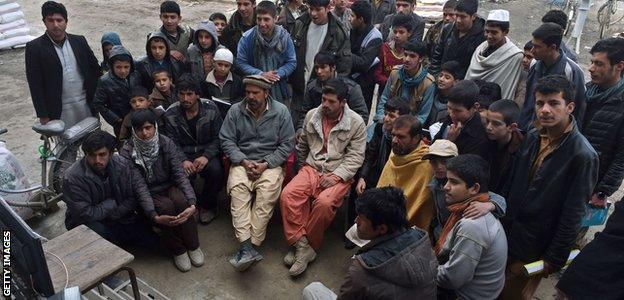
x,y
480,157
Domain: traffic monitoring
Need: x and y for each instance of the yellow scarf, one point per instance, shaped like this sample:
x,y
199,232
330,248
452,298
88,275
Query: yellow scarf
x,y
412,174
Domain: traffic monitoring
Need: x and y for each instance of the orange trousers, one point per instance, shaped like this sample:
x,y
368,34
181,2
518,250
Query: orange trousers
x,y
307,209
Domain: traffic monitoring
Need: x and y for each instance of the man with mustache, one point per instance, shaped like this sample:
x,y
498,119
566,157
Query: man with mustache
x,y
257,136
407,170
194,127
61,70
268,50
553,175
331,148
103,190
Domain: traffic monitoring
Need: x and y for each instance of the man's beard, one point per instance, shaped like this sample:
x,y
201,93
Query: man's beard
x,y
397,150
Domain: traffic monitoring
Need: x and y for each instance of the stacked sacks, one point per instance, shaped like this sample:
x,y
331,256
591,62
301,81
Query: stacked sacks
x,y
430,10
14,31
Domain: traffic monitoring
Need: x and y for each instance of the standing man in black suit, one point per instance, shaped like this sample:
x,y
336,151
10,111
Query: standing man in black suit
x,y
61,69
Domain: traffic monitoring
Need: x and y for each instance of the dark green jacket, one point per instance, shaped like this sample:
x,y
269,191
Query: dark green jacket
x,y
233,32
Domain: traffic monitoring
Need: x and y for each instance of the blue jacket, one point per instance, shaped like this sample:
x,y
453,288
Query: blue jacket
x,y
288,60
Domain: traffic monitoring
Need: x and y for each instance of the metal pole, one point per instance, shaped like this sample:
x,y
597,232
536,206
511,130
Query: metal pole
x,y
583,10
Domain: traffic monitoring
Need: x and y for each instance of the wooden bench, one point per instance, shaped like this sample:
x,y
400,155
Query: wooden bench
x,y
89,259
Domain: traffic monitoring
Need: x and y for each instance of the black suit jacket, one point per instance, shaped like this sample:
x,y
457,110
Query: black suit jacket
x,y
45,74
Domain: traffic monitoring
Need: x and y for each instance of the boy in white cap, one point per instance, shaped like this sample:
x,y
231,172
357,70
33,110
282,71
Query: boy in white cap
x,y
497,59
439,152
221,83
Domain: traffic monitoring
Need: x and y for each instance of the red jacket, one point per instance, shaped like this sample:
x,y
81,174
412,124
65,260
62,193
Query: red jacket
x,y
388,60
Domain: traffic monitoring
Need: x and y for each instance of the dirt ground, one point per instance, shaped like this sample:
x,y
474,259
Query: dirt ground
x,y
216,279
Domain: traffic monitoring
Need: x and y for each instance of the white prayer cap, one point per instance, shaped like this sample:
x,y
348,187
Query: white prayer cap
x,y
224,54
499,15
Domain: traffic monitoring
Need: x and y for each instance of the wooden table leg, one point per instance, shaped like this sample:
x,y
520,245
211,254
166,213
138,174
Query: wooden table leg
x,y
133,282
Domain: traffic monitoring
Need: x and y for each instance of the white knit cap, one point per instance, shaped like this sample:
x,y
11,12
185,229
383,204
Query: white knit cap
x,y
499,15
224,54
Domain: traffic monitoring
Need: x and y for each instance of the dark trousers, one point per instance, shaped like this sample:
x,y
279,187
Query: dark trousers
x,y
138,233
181,238
351,213
296,108
367,83
212,174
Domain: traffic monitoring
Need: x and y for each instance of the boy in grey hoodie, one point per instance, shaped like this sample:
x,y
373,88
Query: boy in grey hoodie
x,y
200,54
109,39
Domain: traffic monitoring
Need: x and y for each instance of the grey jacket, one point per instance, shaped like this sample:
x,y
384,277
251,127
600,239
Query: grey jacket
x,y
167,168
399,265
194,54
346,144
85,194
270,138
442,213
477,255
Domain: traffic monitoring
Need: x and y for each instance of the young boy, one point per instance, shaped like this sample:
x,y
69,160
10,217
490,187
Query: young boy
x,y
138,100
502,128
488,93
112,96
463,126
472,251
527,60
163,94
178,36
391,53
221,83
109,39
220,22
439,153
447,78
158,58
397,263
201,52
